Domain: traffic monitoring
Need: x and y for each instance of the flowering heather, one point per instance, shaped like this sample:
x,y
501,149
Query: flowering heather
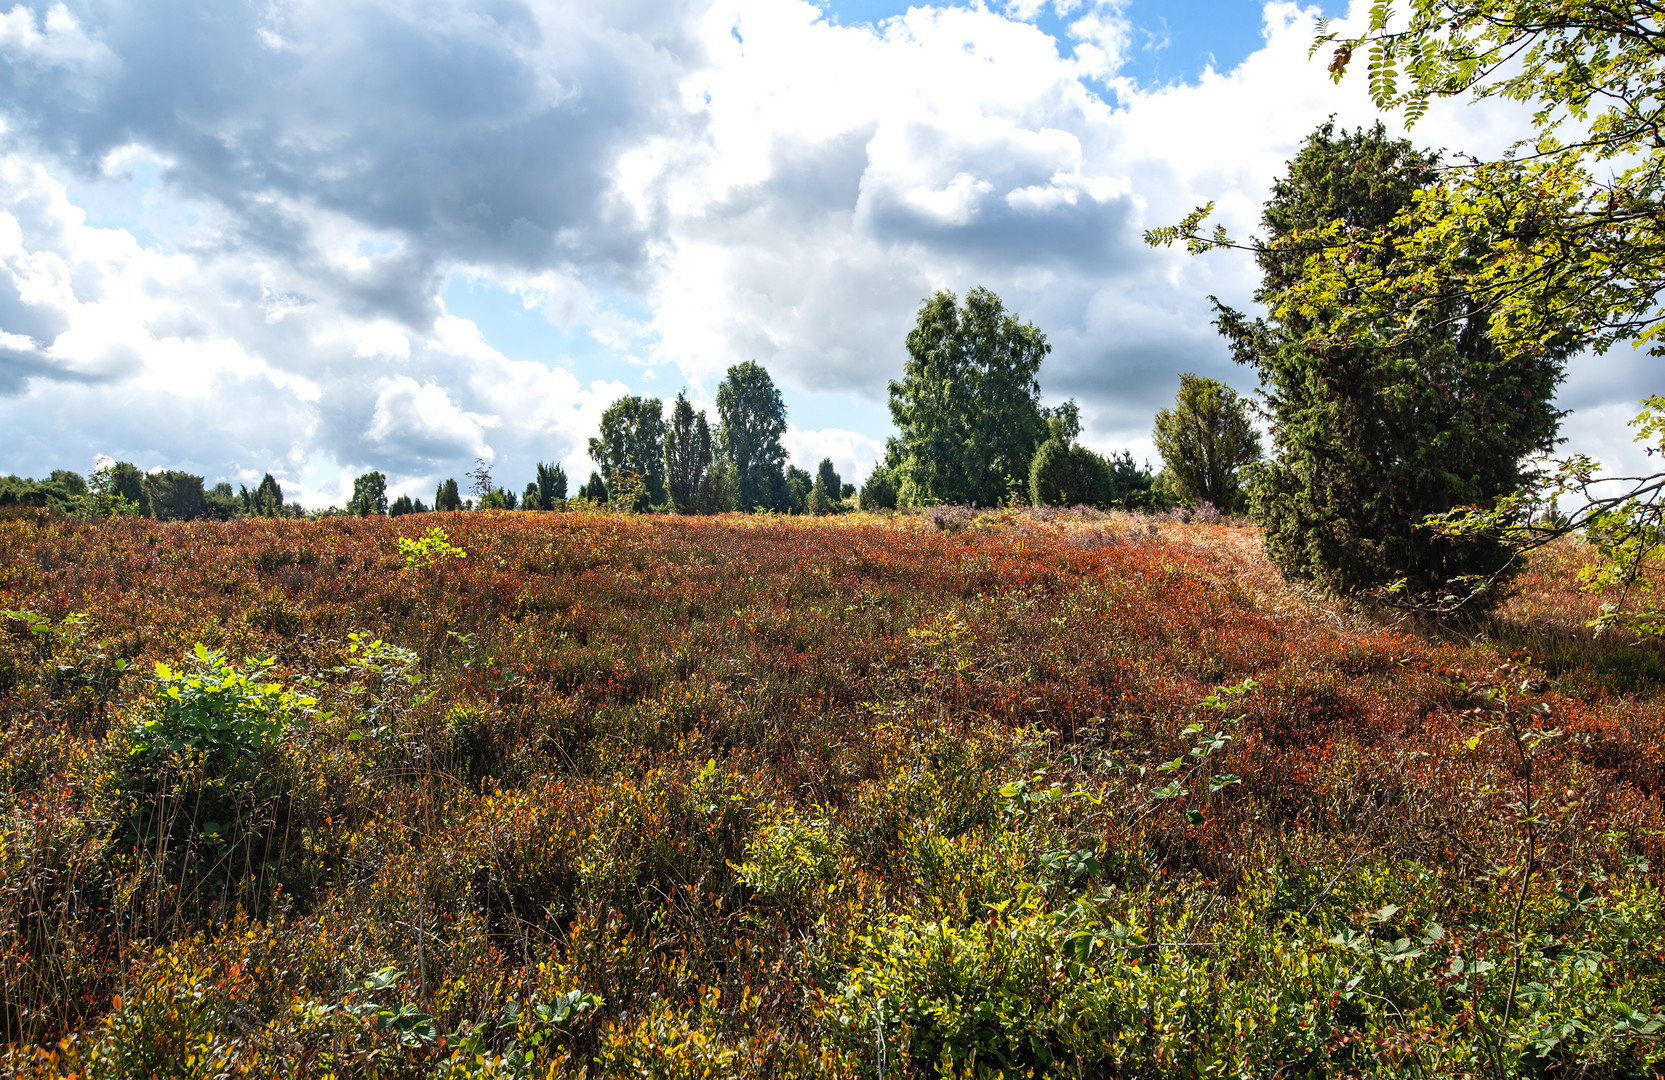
x,y
562,794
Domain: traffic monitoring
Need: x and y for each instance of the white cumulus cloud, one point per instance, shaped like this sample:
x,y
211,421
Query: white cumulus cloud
x,y
227,231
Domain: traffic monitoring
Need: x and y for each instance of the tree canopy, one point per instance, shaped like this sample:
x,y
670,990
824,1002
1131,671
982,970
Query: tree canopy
x,y
1572,220
551,486
369,495
1564,234
1205,440
687,455
968,404
632,441
1561,237
1373,435
753,417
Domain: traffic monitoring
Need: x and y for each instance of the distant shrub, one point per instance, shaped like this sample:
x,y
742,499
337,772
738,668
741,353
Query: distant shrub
x,y
879,493
1069,474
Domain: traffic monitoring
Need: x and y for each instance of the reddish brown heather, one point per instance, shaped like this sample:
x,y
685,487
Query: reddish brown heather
x,y
580,670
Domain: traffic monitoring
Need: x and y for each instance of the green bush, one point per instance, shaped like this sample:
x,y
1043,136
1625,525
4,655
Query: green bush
x,y
879,493
200,792
1069,475
215,715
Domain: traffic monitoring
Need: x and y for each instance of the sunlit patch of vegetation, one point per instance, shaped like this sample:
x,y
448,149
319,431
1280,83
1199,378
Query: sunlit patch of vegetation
x,y
620,795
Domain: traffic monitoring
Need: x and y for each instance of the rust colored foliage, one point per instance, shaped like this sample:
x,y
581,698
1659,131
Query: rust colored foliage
x,y
617,788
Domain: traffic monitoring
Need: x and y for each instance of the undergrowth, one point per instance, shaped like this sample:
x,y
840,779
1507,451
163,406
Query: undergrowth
x,y
548,795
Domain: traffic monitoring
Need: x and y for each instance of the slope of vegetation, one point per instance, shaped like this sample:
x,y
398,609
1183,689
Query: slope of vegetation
x,y
849,797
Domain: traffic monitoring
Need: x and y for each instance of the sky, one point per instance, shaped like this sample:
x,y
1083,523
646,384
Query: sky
x,y
321,237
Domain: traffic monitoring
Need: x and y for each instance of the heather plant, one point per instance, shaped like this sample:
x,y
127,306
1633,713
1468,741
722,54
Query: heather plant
x,y
626,795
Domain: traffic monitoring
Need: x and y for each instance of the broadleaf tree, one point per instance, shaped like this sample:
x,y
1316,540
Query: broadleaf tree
x,y
1205,441
1065,473
967,407
369,495
753,418
127,482
175,496
632,442
879,493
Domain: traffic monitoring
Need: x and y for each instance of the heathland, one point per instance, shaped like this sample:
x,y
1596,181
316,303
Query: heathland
x,y
1031,793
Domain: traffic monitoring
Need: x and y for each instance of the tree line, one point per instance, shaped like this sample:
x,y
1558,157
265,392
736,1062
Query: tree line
x,y
121,487
971,431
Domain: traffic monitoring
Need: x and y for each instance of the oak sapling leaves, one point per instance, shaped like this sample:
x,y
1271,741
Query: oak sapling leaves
x,y
212,710
428,550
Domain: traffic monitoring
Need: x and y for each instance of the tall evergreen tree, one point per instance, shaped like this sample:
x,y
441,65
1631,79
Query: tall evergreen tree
x,y
265,500
1372,435
968,404
594,489
632,440
753,419
551,486
447,497
826,494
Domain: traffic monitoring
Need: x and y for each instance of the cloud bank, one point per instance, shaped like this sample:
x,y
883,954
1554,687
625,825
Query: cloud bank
x,y
227,232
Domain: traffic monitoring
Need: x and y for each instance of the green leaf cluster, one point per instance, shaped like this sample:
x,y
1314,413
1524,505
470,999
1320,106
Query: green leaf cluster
x,y
214,712
967,407
1205,441
1373,432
